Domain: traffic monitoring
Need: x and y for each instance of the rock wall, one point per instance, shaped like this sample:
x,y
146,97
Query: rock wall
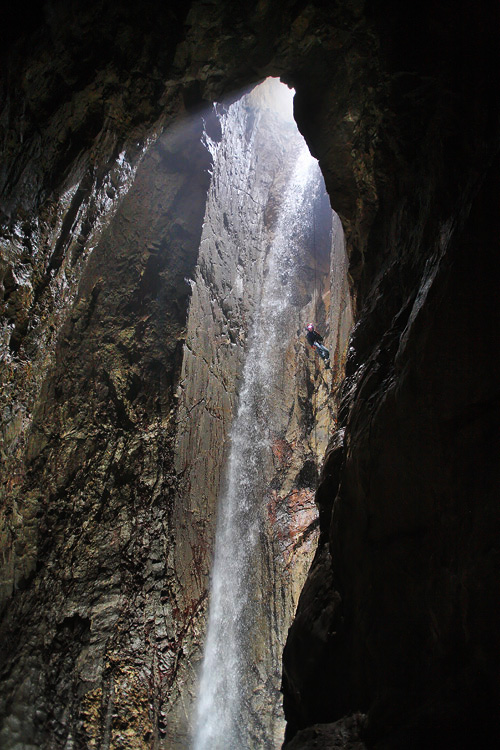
x,y
115,455
71,147
397,625
254,159
88,524
396,616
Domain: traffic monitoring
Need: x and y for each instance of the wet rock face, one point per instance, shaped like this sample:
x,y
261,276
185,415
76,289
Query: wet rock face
x,y
96,496
397,623
254,163
71,147
122,461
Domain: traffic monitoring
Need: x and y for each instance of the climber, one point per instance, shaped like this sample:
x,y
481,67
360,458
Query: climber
x,y
315,339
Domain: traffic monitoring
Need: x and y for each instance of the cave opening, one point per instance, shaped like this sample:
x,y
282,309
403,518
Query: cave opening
x,y
270,260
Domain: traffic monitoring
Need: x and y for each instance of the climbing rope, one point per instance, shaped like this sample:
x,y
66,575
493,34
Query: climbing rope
x,y
315,298
315,269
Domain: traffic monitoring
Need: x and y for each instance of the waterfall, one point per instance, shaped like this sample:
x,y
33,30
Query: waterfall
x,y
227,678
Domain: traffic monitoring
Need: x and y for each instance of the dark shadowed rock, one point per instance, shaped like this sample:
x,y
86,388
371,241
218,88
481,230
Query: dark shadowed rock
x,y
345,734
103,185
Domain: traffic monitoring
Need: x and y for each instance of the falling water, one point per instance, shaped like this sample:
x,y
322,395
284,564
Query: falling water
x,y
227,679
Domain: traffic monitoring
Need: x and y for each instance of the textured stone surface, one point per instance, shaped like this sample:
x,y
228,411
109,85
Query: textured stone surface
x,y
342,735
398,621
128,440
100,479
254,161
398,104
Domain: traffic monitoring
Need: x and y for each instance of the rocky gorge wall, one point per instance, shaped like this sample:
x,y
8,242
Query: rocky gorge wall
x,y
126,445
95,497
254,156
397,624
398,607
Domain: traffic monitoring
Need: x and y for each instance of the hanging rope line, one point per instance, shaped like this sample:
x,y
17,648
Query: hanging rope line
x,y
315,310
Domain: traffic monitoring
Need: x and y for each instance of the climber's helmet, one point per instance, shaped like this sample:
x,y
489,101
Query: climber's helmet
x,y
310,327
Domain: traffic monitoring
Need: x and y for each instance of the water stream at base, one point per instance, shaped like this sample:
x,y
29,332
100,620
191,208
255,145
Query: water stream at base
x,y
227,679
